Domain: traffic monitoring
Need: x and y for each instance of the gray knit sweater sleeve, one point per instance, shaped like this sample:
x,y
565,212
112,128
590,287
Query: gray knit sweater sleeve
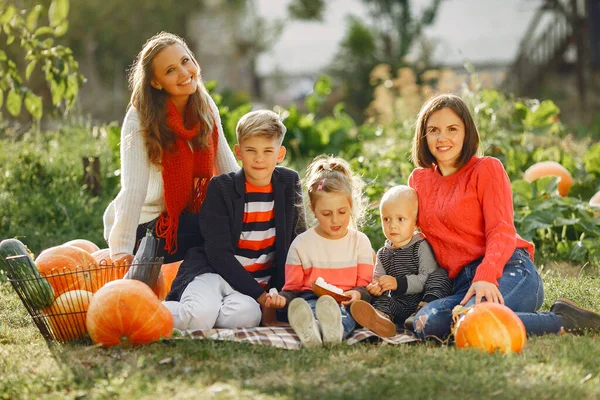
x,y
379,271
427,264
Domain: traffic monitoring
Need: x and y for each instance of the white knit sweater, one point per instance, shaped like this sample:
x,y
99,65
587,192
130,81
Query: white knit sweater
x,y
141,198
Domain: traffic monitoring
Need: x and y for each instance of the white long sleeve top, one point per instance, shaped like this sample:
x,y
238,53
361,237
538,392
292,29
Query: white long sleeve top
x,y
141,198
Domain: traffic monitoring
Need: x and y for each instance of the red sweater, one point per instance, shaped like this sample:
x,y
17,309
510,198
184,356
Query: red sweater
x,y
469,215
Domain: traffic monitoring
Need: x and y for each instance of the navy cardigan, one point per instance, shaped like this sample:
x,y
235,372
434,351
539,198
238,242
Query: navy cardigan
x,y
221,217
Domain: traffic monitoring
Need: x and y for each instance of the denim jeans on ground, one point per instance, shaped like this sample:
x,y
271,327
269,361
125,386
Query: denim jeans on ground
x,y
347,321
521,288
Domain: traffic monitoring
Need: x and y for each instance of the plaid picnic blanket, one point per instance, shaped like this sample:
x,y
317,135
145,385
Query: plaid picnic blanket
x,y
284,337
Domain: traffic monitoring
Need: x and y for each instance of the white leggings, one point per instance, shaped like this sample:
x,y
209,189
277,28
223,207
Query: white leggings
x,y
210,302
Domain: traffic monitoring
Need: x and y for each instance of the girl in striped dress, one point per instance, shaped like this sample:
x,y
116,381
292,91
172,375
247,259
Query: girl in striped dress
x,y
333,250
407,275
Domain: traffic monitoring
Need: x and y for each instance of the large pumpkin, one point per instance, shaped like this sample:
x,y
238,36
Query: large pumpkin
x,y
126,312
67,315
83,244
69,268
490,327
105,263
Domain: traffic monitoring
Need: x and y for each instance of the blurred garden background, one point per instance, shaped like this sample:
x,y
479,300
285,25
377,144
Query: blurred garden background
x,y
348,77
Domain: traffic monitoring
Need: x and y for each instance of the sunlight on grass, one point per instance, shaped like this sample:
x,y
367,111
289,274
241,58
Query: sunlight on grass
x,y
552,366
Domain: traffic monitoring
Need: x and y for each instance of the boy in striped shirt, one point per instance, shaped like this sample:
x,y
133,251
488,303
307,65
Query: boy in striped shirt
x,y
247,222
406,274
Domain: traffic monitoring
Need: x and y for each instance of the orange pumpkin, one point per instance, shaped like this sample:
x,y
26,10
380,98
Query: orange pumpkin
x,y
83,244
169,273
102,257
67,315
69,268
490,327
126,312
105,263
550,168
160,289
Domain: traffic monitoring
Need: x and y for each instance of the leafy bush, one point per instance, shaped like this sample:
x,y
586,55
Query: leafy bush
x,y
519,132
43,199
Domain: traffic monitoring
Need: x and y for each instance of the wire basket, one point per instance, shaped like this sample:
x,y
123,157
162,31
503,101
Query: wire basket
x,y
58,301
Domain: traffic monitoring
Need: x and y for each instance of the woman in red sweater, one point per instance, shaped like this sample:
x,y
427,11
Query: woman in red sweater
x,y
466,213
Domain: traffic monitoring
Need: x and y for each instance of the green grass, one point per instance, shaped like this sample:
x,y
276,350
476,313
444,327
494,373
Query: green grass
x,y
550,367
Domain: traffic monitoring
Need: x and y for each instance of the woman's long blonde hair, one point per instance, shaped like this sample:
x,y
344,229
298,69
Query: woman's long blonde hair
x,y
150,103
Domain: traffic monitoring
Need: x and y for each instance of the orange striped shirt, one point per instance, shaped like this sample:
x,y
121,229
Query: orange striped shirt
x,y
256,245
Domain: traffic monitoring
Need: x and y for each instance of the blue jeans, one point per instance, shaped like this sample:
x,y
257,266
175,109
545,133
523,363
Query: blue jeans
x,y
521,288
348,322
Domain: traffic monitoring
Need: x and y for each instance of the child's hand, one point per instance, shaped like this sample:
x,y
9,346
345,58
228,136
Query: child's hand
x,y
275,301
374,289
387,282
353,294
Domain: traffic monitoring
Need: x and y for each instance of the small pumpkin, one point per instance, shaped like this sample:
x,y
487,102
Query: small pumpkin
x,y
490,327
69,268
105,263
169,272
67,315
550,168
160,289
126,312
83,244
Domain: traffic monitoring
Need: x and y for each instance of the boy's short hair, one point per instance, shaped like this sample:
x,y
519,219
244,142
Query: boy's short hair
x,y
264,123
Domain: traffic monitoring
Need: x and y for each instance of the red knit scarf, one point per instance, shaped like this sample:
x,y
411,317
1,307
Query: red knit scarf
x,y
185,174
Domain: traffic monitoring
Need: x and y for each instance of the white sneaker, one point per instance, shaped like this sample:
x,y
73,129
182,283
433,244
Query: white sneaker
x,y
303,322
330,319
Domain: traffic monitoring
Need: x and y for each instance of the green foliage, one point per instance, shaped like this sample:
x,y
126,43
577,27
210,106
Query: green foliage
x,y
60,69
307,9
309,134
563,228
519,133
591,160
43,200
42,196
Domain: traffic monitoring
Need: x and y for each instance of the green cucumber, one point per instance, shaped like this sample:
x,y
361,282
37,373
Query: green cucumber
x,y
16,260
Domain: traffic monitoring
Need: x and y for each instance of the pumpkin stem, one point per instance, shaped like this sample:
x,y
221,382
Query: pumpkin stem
x,y
458,312
125,342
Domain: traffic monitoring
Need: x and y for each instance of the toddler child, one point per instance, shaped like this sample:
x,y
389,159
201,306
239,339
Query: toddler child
x,y
407,275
